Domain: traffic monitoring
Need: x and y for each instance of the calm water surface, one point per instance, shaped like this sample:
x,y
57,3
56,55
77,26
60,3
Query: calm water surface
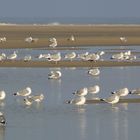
x,y
55,120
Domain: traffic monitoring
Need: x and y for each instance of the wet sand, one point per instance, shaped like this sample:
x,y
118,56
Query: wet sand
x,y
85,35
128,100
21,63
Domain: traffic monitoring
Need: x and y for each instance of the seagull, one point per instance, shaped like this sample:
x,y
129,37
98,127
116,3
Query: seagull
x,y
37,98
100,53
70,56
83,55
54,75
93,57
28,101
2,56
94,71
81,92
44,56
55,57
135,91
123,39
118,56
77,101
2,95
71,38
53,42
121,92
12,56
31,40
24,92
2,119
27,58
2,39
113,99
94,89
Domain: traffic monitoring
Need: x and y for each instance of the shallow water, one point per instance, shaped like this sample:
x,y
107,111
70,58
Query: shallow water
x,y
53,119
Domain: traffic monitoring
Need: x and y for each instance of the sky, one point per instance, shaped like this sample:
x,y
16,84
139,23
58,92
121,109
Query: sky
x,y
69,8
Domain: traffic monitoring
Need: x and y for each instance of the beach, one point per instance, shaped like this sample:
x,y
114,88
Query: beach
x,y
85,35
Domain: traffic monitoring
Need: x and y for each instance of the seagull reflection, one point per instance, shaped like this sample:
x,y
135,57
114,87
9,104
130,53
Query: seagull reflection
x,y
82,120
2,133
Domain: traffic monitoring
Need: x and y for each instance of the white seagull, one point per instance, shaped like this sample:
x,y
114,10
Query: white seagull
x,y
70,56
12,56
44,56
55,57
113,99
2,119
2,39
2,95
81,92
72,38
118,56
31,40
77,101
94,71
121,92
24,92
37,98
2,56
54,75
53,42
94,89
27,58
123,39
28,101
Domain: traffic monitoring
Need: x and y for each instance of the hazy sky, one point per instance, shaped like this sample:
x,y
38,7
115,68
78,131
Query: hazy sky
x,y
69,8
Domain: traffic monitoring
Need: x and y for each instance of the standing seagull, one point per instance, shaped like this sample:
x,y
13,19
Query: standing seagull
x,y
123,39
24,92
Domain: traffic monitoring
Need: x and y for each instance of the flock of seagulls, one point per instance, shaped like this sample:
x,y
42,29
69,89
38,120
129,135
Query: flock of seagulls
x,y
113,98
80,94
57,56
28,98
124,56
